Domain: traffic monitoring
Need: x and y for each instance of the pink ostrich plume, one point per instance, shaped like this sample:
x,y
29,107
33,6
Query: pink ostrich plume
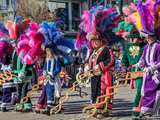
x,y
86,21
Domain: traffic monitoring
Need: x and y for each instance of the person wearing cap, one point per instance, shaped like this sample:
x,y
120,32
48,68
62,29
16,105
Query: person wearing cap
x,y
50,90
101,60
150,61
130,57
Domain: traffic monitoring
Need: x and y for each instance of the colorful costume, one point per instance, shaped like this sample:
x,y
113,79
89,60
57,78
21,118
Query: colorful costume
x,y
25,74
100,84
28,51
60,46
97,26
9,91
150,60
128,29
151,81
51,87
131,56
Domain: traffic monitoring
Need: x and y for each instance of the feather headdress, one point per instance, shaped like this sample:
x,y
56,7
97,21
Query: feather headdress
x,y
96,22
146,11
17,27
131,25
99,20
29,44
150,17
55,37
6,50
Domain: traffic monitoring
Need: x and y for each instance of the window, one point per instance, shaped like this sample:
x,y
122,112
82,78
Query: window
x,y
75,16
60,10
67,13
4,4
95,2
7,3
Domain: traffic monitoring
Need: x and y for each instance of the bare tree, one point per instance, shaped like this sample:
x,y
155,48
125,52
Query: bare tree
x,y
37,10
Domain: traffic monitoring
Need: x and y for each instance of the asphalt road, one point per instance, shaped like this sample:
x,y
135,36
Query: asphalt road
x,y
122,105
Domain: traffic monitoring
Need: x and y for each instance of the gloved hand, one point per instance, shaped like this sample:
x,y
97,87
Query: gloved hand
x,y
9,68
50,74
6,68
149,70
49,77
135,65
86,68
96,70
21,74
44,73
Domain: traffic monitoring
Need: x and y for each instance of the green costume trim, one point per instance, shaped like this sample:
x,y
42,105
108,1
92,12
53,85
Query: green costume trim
x,y
127,27
27,106
134,35
131,56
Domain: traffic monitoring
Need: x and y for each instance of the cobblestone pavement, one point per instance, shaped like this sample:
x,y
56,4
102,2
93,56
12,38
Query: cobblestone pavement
x,y
122,105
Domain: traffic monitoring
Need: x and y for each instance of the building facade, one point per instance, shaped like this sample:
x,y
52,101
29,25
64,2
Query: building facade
x,y
7,9
69,11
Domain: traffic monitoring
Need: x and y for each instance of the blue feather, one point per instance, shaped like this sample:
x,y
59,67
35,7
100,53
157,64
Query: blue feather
x,y
3,29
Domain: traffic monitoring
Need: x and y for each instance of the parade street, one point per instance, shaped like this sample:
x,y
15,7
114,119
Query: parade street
x,y
122,105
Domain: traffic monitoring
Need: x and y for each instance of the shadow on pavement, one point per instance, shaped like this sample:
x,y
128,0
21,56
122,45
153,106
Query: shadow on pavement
x,y
122,108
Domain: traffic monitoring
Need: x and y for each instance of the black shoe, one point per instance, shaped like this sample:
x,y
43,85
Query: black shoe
x,y
135,115
26,110
46,111
4,109
145,115
135,118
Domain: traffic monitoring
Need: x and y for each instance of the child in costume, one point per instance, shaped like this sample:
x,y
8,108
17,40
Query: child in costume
x,y
101,60
9,89
150,59
24,81
151,80
55,45
50,91
128,29
130,57
99,23
28,51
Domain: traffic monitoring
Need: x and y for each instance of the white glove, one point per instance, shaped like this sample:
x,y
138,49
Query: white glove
x,y
49,77
86,68
4,67
149,70
9,68
49,73
96,67
21,74
135,65
44,73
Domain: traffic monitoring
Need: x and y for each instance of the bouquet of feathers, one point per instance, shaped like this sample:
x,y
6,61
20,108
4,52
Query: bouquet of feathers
x,y
5,46
9,33
55,37
29,44
130,23
150,17
98,19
